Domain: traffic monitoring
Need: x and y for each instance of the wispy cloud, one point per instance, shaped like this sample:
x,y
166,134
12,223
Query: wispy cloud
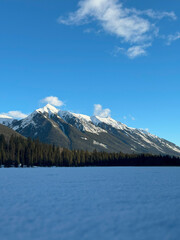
x,y
132,118
154,14
133,26
13,114
92,30
99,111
129,117
134,51
172,38
53,101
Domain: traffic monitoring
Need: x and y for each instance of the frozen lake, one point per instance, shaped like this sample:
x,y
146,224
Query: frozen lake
x,y
90,203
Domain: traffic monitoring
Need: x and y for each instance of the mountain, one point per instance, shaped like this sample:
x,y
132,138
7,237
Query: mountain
x,y
7,132
78,131
5,120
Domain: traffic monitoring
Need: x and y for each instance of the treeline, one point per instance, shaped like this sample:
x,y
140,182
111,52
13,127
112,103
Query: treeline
x,y
19,152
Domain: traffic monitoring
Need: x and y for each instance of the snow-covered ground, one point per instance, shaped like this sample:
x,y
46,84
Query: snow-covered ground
x,y
90,203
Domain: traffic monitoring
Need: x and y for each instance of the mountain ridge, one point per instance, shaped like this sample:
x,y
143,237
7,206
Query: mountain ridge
x,y
79,131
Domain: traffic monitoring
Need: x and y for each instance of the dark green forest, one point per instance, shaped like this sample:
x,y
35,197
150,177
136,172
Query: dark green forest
x,y
21,152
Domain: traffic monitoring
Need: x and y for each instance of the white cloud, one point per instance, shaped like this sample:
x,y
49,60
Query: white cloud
x,y
99,111
154,14
132,117
172,38
131,25
134,51
92,30
53,101
129,117
13,114
4,115
112,17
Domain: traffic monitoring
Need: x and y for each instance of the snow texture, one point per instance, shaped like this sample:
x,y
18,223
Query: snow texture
x,y
5,120
25,122
90,203
48,109
109,121
83,122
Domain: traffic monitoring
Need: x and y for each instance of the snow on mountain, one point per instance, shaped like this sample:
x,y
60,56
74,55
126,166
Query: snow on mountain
x,y
100,144
5,120
146,133
80,121
138,137
48,109
73,129
109,121
173,147
24,122
29,120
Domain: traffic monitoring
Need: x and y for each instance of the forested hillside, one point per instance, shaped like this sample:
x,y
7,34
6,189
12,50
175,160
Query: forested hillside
x,y
7,132
26,152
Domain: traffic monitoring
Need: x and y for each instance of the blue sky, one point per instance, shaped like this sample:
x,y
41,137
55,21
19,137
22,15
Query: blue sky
x,y
123,55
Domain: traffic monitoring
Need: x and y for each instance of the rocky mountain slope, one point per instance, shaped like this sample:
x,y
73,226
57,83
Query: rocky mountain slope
x,y
78,131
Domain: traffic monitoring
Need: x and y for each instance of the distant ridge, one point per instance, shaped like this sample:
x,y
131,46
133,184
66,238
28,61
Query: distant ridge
x,y
78,131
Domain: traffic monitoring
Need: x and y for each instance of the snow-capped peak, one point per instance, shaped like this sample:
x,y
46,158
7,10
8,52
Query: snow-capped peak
x,y
29,120
48,109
